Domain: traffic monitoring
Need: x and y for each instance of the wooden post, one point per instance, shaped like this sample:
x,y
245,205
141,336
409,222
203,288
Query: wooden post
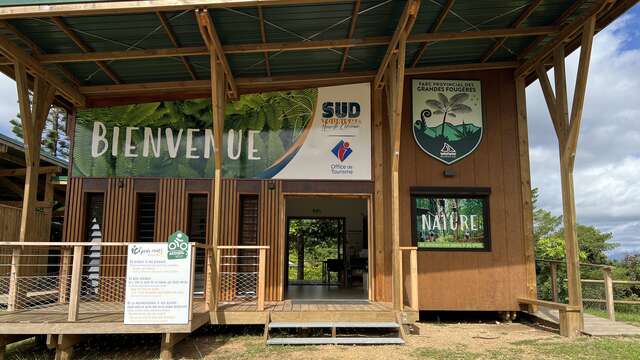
x,y
414,303
218,68
76,279
209,285
33,114
193,279
65,267
261,278
12,301
608,292
567,127
525,188
554,281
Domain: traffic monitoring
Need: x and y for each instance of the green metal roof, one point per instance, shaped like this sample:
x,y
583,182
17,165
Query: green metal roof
x,y
135,30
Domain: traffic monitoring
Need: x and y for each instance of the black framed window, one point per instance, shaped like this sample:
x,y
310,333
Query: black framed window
x,y
451,219
146,221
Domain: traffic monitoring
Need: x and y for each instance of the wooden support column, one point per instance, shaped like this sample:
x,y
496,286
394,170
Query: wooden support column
x,y
525,188
219,67
567,127
379,198
33,114
554,281
169,340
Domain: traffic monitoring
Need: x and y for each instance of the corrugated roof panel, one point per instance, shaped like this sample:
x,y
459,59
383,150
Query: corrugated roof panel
x,y
365,58
300,62
236,26
460,51
156,70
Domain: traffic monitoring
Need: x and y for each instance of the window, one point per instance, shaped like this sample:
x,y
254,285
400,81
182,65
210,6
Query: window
x,y
451,219
248,232
198,218
146,217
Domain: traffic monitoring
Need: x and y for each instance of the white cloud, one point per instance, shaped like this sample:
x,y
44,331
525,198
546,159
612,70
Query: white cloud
x,y
608,157
8,103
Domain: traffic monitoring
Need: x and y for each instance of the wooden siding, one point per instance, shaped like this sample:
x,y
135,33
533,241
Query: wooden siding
x,y
271,232
473,280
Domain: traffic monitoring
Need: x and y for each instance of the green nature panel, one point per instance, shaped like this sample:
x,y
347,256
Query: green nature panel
x,y
450,223
174,138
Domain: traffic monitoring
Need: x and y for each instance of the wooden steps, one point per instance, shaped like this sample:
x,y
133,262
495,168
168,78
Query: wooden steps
x,y
342,333
337,341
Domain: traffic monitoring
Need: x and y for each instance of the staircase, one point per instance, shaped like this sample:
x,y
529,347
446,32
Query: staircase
x,y
336,333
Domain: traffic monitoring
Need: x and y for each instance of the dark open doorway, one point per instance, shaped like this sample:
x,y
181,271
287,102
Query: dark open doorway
x,y
327,252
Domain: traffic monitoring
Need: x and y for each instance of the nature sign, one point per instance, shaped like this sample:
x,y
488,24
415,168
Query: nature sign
x,y
450,222
178,245
447,117
321,133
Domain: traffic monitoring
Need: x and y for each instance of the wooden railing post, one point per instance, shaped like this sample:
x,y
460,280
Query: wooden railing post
x,y
261,278
76,278
65,267
608,292
554,281
413,261
12,301
209,285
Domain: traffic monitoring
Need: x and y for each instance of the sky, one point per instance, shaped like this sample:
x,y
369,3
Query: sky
x,y
607,169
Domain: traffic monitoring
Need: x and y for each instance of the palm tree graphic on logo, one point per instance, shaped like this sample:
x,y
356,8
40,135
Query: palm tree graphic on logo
x,y
449,107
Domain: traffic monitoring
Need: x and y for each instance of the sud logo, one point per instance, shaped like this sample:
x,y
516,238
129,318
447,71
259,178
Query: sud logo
x,y
342,150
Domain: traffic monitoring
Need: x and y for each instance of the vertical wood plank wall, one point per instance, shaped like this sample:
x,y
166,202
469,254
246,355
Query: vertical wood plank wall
x,y
271,232
465,280
172,208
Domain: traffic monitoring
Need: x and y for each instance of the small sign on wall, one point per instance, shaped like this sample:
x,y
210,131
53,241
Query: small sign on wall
x,y
158,288
447,117
451,219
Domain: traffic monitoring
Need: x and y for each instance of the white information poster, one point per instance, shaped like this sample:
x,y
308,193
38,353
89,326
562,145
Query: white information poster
x,y
158,288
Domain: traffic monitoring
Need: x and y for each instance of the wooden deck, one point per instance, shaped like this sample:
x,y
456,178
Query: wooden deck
x,y
593,325
53,320
290,311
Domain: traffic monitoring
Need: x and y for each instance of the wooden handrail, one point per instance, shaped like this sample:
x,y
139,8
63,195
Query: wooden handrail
x,y
72,244
581,264
549,304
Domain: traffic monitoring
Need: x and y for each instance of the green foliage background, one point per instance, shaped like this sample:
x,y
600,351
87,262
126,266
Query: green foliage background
x,y
281,118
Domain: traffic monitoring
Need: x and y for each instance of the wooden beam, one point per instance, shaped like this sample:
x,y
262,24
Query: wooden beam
x,y
23,171
549,97
559,39
84,47
211,39
202,88
352,30
263,38
402,31
434,28
176,44
138,6
516,24
17,55
289,46
580,87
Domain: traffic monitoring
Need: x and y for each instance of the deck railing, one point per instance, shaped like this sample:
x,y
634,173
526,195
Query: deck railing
x,y
242,275
76,278
410,287
599,292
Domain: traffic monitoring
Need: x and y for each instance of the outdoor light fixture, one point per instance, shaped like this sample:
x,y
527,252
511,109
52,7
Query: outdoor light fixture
x,y
271,185
450,173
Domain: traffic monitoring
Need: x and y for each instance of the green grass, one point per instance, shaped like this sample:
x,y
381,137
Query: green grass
x,y
632,318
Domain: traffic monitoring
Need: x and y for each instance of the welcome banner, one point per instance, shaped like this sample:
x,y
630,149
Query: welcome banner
x,y
322,133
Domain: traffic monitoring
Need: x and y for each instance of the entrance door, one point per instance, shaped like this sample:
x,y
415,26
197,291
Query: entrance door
x,y
326,259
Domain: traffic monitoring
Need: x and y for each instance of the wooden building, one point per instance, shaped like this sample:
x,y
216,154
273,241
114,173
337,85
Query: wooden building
x,y
422,229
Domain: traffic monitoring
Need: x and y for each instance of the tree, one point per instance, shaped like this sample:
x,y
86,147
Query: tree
x,y
54,137
449,107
